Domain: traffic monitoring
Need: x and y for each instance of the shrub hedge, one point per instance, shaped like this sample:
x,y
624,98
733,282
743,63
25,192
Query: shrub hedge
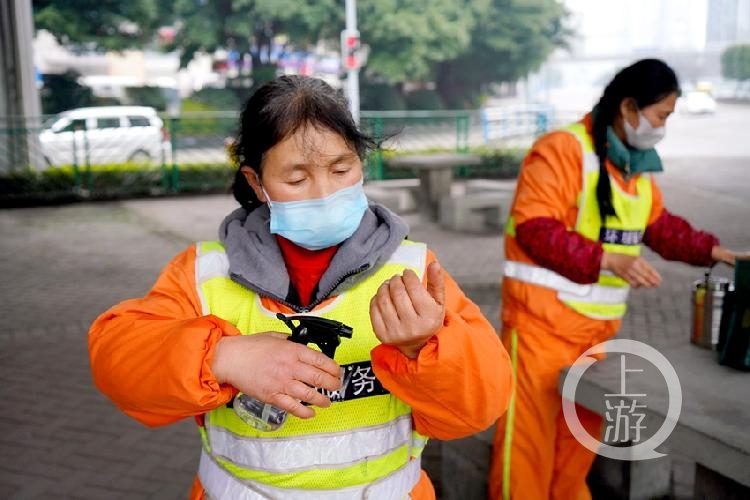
x,y
29,187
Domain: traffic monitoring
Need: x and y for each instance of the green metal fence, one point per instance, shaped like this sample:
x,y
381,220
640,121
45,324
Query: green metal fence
x,y
405,131
189,153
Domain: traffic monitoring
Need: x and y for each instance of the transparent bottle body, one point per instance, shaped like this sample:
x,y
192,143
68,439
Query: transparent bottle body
x,y
262,416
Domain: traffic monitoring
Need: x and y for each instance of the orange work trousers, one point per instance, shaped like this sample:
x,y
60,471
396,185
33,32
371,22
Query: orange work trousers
x,y
534,455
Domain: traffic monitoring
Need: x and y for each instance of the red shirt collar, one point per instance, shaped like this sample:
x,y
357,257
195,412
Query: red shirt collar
x,y
305,267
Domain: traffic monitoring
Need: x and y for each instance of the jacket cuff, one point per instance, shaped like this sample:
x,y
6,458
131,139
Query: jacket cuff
x,y
548,242
673,238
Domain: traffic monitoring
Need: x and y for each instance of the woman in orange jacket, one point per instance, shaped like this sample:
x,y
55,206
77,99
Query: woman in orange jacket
x,y
567,274
280,419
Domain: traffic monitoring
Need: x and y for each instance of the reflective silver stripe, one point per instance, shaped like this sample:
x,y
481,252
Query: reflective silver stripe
x,y
208,265
609,295
211,265
221,485
590,163
590,160
301,453
418,443
568,290
412,255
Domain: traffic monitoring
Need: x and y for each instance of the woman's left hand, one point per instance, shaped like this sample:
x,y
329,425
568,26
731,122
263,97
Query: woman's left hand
x,y
721,254
405,314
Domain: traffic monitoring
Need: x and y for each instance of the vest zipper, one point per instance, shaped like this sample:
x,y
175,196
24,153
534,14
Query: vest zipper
x,y
242,281
360,269
300,309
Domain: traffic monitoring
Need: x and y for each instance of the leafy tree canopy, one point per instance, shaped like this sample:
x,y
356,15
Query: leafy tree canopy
x,y
735,62
461,45
248,25
511,39
107,24
407,39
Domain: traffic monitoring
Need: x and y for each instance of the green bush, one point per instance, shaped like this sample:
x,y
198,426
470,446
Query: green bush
x,y
106,101
423,99
202,177
211,99
207,126
262,74
496,163
147,96
30,187
380,97
63,92
735,62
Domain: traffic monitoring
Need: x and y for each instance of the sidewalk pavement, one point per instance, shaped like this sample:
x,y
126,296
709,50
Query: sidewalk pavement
x,y
62,266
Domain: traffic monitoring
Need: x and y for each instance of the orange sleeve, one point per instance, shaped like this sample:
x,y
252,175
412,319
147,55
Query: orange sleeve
x,y
657,202
550,179
461,381
152,356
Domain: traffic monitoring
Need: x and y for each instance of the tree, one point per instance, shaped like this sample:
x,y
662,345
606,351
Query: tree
x,y
510,40
408,39
735,62
63,92
461,45
107,24
250,25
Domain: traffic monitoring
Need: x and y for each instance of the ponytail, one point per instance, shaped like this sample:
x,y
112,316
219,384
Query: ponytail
x,y
243,193
602,117
646,82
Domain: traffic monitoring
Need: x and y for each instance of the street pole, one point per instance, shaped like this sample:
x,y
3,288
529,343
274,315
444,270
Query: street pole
x,y
19,96
352,75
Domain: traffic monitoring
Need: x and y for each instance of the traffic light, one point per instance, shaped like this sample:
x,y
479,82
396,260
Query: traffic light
x,y
350,46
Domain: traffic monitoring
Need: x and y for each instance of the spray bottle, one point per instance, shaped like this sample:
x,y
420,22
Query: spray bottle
x,y
325,333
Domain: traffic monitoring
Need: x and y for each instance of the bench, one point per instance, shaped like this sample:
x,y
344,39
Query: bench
x,y
712,428
483,185
435,172
474,212
398,195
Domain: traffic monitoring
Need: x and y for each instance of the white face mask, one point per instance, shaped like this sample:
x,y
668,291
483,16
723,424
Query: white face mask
x,y
645,136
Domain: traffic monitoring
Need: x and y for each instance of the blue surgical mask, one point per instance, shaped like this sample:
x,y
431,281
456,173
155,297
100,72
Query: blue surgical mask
x,y
321,222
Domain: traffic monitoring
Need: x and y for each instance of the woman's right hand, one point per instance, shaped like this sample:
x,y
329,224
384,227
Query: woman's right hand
x,y
633,269
271,369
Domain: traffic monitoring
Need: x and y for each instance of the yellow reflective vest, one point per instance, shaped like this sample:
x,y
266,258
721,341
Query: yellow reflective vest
x,y
607,298
362,446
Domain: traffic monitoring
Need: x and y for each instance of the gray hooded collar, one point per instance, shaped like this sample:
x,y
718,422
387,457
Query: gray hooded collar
x,y
255,260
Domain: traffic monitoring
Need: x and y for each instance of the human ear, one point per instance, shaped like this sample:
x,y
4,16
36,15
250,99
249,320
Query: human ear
x,y
629,111
251,176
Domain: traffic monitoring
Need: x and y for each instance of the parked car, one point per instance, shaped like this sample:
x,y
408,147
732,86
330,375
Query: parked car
x,y
696,102
104,135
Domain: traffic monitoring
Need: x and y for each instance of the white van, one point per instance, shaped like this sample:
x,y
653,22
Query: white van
x,y
104,135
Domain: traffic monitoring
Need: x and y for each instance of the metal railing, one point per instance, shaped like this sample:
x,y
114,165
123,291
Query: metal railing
x,y
189,153
405,131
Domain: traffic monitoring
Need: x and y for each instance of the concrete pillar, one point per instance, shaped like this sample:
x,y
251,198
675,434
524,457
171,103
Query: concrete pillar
x,y
20,108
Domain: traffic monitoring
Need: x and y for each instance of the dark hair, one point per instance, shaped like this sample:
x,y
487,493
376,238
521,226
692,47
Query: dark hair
x,y
276,111
647,81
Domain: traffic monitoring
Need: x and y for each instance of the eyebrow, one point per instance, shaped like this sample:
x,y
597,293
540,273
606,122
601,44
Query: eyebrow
x,y
334,160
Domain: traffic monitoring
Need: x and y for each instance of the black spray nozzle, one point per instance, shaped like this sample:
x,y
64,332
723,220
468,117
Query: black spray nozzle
x,y
323,332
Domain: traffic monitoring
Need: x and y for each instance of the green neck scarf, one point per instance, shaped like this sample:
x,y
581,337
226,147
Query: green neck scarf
x,y
631,161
